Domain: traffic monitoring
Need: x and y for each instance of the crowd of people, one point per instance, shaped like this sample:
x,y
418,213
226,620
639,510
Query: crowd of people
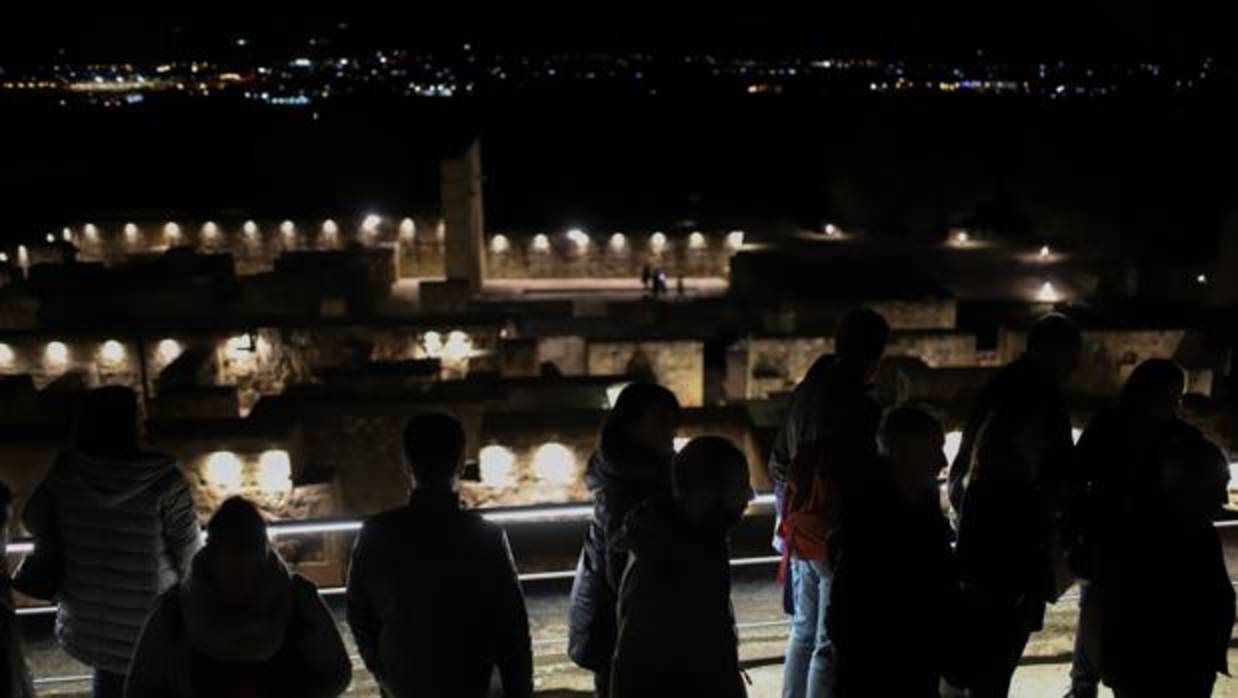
x,y
892,591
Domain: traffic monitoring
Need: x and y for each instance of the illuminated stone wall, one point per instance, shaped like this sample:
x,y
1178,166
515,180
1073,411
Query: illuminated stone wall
x,y
676,364
769,365
418,243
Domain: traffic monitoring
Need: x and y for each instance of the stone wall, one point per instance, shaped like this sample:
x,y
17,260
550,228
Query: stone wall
x,y
676,364
777,364
419,244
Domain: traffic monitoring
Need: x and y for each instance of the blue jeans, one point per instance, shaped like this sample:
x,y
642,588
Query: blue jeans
x,y
107,685
1084,668
809,671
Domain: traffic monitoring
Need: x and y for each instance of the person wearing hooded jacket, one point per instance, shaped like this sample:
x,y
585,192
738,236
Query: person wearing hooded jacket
x,y
631,465
126,524
241,626
677,634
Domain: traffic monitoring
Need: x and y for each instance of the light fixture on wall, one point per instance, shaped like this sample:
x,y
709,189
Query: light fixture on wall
x,y
112,352
618,242
288,228
696,240
541,243
168,350
225,471
171,230
92,233
408,229
329,228
56,354
250,229
555,463
210,230
496,466
131,233
499,244
275,472
735,239
7,355
370,223
657,242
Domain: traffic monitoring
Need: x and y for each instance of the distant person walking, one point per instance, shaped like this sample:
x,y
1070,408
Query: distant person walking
x,y
825,446
1119,457
632,464
1011,483
646,276
126,523
1165,598
677,632
434,601
242,624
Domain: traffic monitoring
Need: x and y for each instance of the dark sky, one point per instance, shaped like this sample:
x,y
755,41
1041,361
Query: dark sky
x,y
1030,30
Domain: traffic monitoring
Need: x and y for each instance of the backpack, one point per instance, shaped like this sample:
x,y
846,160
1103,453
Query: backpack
x,y
809,503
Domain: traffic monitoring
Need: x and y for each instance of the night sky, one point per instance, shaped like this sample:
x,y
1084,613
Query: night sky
x,y
1033,32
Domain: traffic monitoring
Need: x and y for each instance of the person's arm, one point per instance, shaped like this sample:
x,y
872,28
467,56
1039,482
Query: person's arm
x,y
363,618
515,648
182,533
148,671
326,670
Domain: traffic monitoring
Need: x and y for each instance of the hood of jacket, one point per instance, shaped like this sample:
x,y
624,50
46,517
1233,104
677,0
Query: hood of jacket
x,y
252,634
107,480
621,462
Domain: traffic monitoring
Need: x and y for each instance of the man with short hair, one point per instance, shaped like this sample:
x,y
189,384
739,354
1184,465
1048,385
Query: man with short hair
x,y
433,598
830,436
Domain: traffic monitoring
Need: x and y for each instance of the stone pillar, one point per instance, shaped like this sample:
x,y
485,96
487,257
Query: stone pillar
x,y
462,211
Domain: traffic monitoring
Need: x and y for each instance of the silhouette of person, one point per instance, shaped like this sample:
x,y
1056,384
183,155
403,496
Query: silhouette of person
x,y
433,598
1165,599
242,624
677,632
631,465
890,637
14,674
1119,460
646,276
128,532
832,411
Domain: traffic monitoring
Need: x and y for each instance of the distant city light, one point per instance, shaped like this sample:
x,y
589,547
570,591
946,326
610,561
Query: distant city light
x,y
618,242
56,354
288,228
7,355
1045,252
210,231
499,244
408,229
696,241
541,243
496,466
371,223
274,471
555,463
224,470
1202,279
112,352
1047,293
250,228
657,241
172,230
168,350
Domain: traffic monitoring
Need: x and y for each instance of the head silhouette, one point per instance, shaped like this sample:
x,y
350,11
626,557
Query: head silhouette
x,y
860,340
1054,343
434,450
236,550
1154,389
711,482
912,440
645,416
107,422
